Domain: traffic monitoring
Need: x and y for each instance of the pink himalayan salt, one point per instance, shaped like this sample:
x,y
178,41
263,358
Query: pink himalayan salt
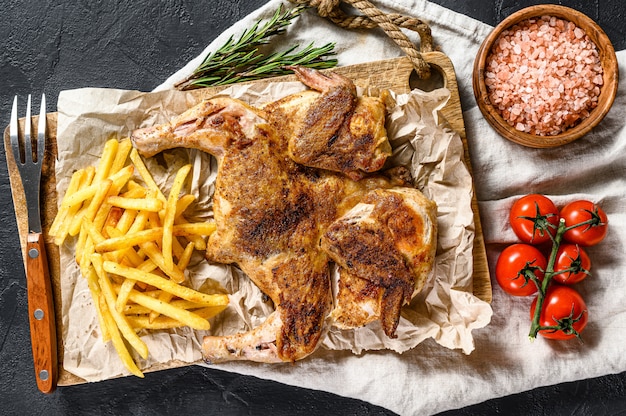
x,y
544,75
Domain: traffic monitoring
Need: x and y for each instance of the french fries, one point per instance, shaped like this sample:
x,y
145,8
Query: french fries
x,y
164,284
133,244
170,214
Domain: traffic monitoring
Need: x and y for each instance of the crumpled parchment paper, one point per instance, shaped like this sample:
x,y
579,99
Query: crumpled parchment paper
x,y
445,310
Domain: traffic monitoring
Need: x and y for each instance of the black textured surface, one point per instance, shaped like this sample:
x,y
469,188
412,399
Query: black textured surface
x,y
50,46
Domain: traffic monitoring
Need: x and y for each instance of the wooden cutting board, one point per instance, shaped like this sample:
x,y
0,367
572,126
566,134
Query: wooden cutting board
x,y
393,74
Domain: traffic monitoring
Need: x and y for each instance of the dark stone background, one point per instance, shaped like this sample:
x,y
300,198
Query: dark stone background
x,y
53,45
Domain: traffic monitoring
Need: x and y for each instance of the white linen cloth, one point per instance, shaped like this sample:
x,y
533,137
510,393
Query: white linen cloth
x,y
430,378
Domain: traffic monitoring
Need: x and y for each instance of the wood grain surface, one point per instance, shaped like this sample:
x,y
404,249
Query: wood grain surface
x,y
393,74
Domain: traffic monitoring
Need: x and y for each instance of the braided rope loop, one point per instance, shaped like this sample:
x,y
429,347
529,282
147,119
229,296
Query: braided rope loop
x,y
390,23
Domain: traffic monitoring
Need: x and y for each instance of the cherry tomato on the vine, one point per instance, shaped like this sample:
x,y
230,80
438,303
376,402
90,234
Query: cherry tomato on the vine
x,y
594,218
562,306
533,218
512,267
573,258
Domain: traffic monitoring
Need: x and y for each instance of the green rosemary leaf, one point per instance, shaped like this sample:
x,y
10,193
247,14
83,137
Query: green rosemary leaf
x,y
241,59
273,64
251,38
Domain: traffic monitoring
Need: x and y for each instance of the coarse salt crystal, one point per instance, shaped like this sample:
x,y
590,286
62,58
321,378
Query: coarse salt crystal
x,y
578,32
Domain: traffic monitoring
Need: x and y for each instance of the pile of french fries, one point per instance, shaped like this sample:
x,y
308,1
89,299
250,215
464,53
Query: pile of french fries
x,y
133,244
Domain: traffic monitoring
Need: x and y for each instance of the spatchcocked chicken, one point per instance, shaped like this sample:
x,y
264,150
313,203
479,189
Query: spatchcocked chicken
x,y
295,191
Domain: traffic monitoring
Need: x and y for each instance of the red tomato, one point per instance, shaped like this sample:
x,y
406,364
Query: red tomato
x,y
571,256
594,218
533,218
565,305
513,263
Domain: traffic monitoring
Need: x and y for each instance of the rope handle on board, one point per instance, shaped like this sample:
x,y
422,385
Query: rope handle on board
x,y
373,17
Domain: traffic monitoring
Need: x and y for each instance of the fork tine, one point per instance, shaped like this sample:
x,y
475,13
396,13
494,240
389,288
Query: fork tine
x,y
28,151
13,131
41,130
24,153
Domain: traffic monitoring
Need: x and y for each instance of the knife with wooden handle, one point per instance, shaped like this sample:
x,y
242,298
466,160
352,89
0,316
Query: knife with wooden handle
x,y
38,285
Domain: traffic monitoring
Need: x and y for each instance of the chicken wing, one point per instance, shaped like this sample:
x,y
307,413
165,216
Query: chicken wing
x,y
330,128
385,247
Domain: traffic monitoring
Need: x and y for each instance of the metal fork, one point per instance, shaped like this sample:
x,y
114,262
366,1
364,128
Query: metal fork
x,y
29,161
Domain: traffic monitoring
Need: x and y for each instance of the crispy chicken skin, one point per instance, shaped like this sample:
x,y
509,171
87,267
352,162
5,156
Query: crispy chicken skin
x,y
271,213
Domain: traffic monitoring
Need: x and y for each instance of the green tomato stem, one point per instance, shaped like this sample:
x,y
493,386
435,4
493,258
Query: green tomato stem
x,y
590,222
548,274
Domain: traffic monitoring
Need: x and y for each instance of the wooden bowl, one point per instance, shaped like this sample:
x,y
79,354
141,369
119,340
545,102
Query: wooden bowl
x,y
607,92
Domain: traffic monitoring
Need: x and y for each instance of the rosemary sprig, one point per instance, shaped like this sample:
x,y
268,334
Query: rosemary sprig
x,y
242,59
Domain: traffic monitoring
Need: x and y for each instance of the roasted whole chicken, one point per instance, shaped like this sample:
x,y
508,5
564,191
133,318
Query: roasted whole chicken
x,y
295,191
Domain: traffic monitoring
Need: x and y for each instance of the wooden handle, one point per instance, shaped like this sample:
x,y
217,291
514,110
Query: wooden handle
x,y
41,314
